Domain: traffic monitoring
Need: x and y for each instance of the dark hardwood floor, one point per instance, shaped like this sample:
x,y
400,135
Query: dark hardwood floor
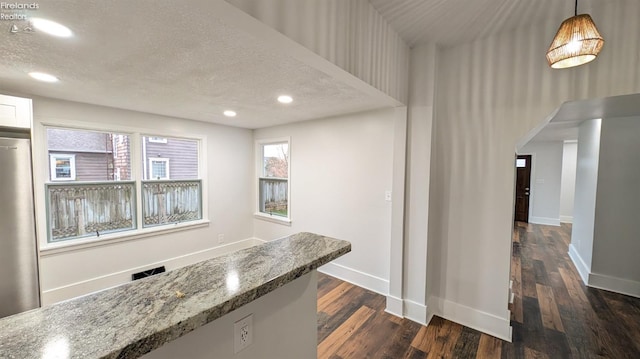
x,y
553,316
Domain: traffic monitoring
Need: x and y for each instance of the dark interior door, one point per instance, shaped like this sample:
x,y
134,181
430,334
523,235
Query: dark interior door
x,y
523,182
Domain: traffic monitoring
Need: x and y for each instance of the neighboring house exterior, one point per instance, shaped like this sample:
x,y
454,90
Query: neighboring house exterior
x,y
121,157
80,155
169,158
76,155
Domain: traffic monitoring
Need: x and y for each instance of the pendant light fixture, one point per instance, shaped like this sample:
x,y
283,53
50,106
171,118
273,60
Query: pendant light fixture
x,y
576,43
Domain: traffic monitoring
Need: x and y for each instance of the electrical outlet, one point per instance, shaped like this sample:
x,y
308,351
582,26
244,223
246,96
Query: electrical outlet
x,y
243,333
387,196
220,237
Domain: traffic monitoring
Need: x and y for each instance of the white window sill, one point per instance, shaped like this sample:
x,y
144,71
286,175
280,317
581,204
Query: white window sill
x,y
111,238
271,218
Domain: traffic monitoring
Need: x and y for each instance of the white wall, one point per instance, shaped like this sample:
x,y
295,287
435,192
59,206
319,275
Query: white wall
x,y
291,309
581,247
616,244
489,94
229,177
568,185
546,178
350,34
340,170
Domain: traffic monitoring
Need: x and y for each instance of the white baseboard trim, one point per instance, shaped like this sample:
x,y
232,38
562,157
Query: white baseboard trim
x,y
409,309
566,219
545,220
395,306
614,284
485,322
577,260
54,295
602,281
353,276
416,312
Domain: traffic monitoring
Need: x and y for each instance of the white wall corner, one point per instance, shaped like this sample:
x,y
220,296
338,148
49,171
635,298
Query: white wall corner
x,y
361,279
416,312
545,220
488,323
396,249
582,267
394,306
566,219
614,284
432,307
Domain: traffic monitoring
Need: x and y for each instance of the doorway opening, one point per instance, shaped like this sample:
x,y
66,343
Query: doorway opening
x,y
523,186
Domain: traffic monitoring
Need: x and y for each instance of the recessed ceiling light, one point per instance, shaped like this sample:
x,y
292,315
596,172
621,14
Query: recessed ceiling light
x,y
285,99
41,76
51,27
230,113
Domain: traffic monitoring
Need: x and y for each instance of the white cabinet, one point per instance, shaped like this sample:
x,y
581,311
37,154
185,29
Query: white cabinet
x,y
15,111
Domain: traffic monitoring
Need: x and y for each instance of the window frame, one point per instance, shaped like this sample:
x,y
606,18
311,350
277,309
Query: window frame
x,y
41,172
52,167
259,175
114,150
166,168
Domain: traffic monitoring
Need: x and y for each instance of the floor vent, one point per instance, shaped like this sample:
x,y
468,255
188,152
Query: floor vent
x,y
148,273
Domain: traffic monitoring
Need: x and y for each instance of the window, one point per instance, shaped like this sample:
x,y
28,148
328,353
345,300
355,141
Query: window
x,y
63,167
170,194
273,179
91,201
159,168
91,189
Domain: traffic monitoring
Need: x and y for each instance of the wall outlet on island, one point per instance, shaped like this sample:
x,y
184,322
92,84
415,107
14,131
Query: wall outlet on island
x,y
243,333
220,237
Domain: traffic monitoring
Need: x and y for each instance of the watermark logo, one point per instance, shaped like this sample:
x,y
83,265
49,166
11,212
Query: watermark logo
x,y
18,6
16,12
12,17
28,28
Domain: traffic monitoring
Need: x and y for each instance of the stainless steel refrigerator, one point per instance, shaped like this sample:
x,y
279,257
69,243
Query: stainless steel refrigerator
x,y
19,289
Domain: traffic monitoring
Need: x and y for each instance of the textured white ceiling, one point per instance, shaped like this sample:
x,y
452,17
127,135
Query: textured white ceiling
x,y
171,58
451,22
186,59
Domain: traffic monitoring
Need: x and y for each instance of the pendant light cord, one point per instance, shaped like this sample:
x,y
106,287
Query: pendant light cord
x,y
576,11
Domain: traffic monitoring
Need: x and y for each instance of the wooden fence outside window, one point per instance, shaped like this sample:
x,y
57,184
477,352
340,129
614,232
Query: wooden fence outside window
x,y
90,209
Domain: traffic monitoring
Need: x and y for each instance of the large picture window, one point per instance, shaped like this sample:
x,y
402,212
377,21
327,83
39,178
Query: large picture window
x,y
92,191
273,179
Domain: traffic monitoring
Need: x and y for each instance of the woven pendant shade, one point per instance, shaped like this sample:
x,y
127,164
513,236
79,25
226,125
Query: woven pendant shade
x,y
576,43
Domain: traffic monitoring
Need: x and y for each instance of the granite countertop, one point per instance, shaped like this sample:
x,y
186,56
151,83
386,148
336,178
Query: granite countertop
x,y
132,319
